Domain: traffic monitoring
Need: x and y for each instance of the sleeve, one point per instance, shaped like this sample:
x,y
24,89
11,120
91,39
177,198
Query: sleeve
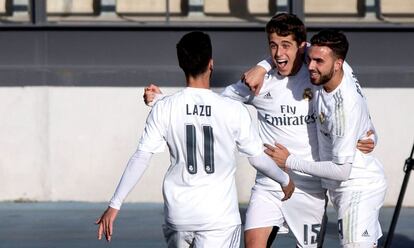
x,y
239,92
134,170
267,64
247,138
323,169
265,165
153,137
348,70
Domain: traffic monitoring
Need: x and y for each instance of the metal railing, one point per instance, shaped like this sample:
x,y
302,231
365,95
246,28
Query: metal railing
x,y
37,15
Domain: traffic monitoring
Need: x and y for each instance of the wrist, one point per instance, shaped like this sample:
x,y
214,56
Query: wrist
x,y
266,65
290,161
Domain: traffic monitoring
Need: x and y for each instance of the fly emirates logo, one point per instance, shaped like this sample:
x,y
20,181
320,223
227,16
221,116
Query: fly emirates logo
x,y
289,117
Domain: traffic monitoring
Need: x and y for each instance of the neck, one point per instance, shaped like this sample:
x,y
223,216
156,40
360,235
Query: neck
x,y
297,64
334,82
201,81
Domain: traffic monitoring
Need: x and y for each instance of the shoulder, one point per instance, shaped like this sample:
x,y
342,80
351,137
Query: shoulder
x,y
168,99
229,102
349,94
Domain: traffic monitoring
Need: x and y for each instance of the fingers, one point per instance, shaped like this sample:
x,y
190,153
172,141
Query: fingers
x,y
98,220
366,145
151,87
270,150
110,230
270,147
287,196
257,89
280,146
100,231
148,97
106,229
370,132
288,190
108,234
105,223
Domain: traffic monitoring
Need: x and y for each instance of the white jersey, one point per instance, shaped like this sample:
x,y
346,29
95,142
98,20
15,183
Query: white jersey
x,y
202,130
285,114
343,120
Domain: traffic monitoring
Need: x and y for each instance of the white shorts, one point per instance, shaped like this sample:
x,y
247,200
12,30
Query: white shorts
x,y
303,213
358,213
228,237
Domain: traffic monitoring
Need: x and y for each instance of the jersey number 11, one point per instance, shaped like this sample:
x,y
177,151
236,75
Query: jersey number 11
x,y
191,145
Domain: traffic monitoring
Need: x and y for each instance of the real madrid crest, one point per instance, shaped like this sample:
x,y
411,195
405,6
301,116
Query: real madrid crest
x,y
322,117
307,94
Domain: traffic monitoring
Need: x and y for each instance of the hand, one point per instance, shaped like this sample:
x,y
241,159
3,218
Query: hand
x,y
106,222
253,78
366,145
278,153
150,92
288,190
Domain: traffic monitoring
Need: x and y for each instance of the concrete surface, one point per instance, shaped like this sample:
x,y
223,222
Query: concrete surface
x,y
44,225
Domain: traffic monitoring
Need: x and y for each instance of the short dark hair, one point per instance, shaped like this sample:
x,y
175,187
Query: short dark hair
x,y
194,52
284,24
333,39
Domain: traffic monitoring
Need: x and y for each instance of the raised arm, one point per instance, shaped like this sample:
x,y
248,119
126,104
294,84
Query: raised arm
x,y
152,94
254,77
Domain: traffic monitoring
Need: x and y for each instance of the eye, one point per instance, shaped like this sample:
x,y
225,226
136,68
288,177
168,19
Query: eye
x,y
273,46
285,46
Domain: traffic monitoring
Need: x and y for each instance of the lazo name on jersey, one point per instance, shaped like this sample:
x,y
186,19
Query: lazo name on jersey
x,y
200,110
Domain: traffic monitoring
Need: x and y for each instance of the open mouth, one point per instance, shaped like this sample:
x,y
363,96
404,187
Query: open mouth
x,y
281,63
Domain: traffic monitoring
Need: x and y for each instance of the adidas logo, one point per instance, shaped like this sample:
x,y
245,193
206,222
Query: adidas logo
x,y
268,96
365,234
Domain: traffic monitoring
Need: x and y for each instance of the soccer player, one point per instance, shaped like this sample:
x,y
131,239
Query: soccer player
x,y
285,115
202,131
355,181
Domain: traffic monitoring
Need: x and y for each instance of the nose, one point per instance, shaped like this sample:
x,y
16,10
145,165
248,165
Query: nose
x,y
311,65
279,52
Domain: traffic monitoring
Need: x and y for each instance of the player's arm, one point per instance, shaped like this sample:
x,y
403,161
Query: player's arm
x,y
249,143
239,92
254,77
152,141
323,169
152,94
266,166
133,172
250,84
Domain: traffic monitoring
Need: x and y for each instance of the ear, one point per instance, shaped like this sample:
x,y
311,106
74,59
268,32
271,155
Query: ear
x,y
211,64
302,47
338,64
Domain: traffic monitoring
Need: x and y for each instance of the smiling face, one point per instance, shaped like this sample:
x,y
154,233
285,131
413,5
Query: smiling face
x,y
286,54
324,67
320,64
